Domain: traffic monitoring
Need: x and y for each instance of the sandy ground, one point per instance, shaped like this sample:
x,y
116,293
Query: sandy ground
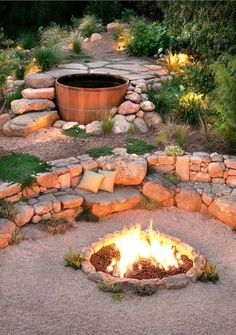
x,y
39,296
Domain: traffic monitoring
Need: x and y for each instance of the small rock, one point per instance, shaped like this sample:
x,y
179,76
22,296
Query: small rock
x,y
69,125
216,169
130,118
147,106
140,114
95,37
113,26
94,128
134,97
59,124
128,107
142,86
140,125
121,125
4,118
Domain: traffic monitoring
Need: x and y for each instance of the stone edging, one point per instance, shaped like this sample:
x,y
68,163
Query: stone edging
x,y
171,282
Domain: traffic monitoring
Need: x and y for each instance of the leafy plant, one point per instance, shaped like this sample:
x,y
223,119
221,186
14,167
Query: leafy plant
x,y
174,150
87,216
108,286
14,95
77,132
124,38
7,210
28,39
99,151
181,135
88,25
137,146
209,273
175,62
16,237
172,177
145,290
47,57
107,124
56,225
223,99
73,259
119,296
18,168
77,41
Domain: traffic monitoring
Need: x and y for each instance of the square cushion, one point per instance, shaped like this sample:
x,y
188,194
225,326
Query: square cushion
x,y
108,181
91,181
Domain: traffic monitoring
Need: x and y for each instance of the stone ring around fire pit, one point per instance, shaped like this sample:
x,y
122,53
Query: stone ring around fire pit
x,y
195,263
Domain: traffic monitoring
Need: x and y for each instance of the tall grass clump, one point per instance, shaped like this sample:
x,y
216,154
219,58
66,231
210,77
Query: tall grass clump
x,y
88,25
77,41
28,39
107,125
47,57
54,35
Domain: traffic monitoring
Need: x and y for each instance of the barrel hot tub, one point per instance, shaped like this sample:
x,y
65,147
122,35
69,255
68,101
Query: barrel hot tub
x,y
88,97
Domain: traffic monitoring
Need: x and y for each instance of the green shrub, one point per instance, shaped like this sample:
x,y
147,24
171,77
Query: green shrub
x,y
137,146
7,210
119,296
181,135
77,132
223,98
88,25
128,14
77,41
28,39
107,125
16,237
75,21
54,35
109,286
107,11
47,57
14,95
145,290
148,38
171,132
19,168
73,259
174,150
99,151
209,273
87,216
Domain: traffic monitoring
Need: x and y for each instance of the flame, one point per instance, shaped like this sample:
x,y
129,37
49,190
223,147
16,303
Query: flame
x,y
135,244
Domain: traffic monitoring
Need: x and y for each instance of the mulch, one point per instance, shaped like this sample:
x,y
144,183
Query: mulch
x,y
143,269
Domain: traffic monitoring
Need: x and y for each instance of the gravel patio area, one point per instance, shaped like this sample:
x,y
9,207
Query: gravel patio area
x,y
39,296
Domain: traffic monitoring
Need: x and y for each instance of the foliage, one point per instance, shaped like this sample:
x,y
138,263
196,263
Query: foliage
x,y
128,14
77,41
109,286
73,259
4,41
107,124
172,132
87,216
147,204
119,296
223,98
137,146
53,35
14,95
99,151
7,210
209,273
202,28
132,129
124,38
88,25
105,10
172,177
148,38
28,39
47,57
145,290
5,66
56,225
175,62
77,132
19,168
174,150
75,21
16,237
181,135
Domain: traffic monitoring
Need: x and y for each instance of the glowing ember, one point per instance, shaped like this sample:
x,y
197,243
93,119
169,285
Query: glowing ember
x,y
135,245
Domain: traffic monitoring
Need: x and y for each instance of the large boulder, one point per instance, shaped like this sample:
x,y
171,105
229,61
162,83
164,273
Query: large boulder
x,y
120,200
39,80
121,125
128,107
224,209
131,169
188,199
26,124
21,106
7,228
160,190
152,119
39,93
24,213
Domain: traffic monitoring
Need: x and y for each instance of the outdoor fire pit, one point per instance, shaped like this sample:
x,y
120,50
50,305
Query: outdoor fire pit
x,y
134,256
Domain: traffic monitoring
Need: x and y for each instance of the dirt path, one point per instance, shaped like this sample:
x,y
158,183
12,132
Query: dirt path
x,y
38,296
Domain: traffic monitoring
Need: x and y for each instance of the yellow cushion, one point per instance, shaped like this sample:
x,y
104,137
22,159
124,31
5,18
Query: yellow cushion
x,y
91,181
109,180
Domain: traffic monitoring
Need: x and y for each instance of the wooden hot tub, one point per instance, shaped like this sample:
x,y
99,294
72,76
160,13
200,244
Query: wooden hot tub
x,y
88,97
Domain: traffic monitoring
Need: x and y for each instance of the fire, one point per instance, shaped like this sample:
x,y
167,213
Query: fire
x,y
135,244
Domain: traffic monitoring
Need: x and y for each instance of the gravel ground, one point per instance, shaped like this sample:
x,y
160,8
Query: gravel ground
x,y
39,296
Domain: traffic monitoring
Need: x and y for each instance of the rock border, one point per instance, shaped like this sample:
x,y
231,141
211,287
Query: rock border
x,y
171,282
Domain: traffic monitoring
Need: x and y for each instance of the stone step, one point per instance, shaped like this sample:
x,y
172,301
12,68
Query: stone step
x,y
39,93
26,124
103,203
21,106
39,80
